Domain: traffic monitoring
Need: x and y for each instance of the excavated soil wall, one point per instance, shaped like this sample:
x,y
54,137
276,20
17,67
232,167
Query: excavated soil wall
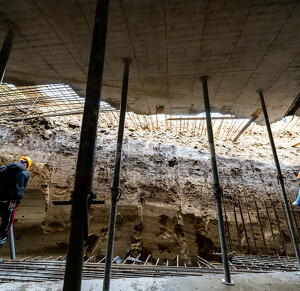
x,y
167,207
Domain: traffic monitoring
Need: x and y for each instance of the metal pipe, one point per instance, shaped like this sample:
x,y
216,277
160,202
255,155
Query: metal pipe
x,y
280,177
116,191
12,243
244,226
6,49
86,152
253,118
217,188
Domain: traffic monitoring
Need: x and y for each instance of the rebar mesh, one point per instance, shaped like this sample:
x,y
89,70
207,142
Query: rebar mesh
x,y
29,102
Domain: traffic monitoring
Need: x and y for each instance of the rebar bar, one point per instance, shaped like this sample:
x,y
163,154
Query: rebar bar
x,y
227,225
236,224
284,214
251,225
244,226
270,224
278,224
260,225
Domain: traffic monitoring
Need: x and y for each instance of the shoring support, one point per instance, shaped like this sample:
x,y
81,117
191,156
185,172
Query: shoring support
x,y
12,244
82,193
217,188
116,191
6,49
252,119
280,177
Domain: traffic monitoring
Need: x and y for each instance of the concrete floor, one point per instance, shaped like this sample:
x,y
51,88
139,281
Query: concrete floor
x,y
272,281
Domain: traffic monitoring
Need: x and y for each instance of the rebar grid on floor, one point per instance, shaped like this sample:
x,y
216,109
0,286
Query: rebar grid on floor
x,y
265,263
38,269
59,100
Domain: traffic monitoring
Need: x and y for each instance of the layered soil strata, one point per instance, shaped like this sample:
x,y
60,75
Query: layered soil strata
x,y
167,207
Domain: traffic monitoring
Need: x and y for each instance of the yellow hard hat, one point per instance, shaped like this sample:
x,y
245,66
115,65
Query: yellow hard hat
x,y
299,175
26,159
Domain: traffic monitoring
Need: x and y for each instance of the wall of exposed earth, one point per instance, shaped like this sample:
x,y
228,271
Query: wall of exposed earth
x,y
167,207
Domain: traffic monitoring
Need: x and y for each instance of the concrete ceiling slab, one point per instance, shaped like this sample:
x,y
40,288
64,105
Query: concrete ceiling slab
x,y
241,45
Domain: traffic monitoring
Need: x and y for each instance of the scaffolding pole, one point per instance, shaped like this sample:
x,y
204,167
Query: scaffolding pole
x,y
217,188
116,191
280,177
86,153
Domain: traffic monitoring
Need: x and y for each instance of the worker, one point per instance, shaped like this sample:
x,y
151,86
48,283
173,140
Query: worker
x,y
13,181
297,202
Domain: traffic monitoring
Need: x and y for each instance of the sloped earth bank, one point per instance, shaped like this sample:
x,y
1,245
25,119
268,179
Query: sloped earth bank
x,y
167,207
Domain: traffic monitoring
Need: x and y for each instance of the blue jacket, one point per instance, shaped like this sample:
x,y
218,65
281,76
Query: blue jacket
x,y
13,181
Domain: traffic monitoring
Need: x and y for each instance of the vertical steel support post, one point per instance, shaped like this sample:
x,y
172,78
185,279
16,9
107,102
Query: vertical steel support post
x,y
12,243
280,178
86,153
116,191
217,188
6,49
